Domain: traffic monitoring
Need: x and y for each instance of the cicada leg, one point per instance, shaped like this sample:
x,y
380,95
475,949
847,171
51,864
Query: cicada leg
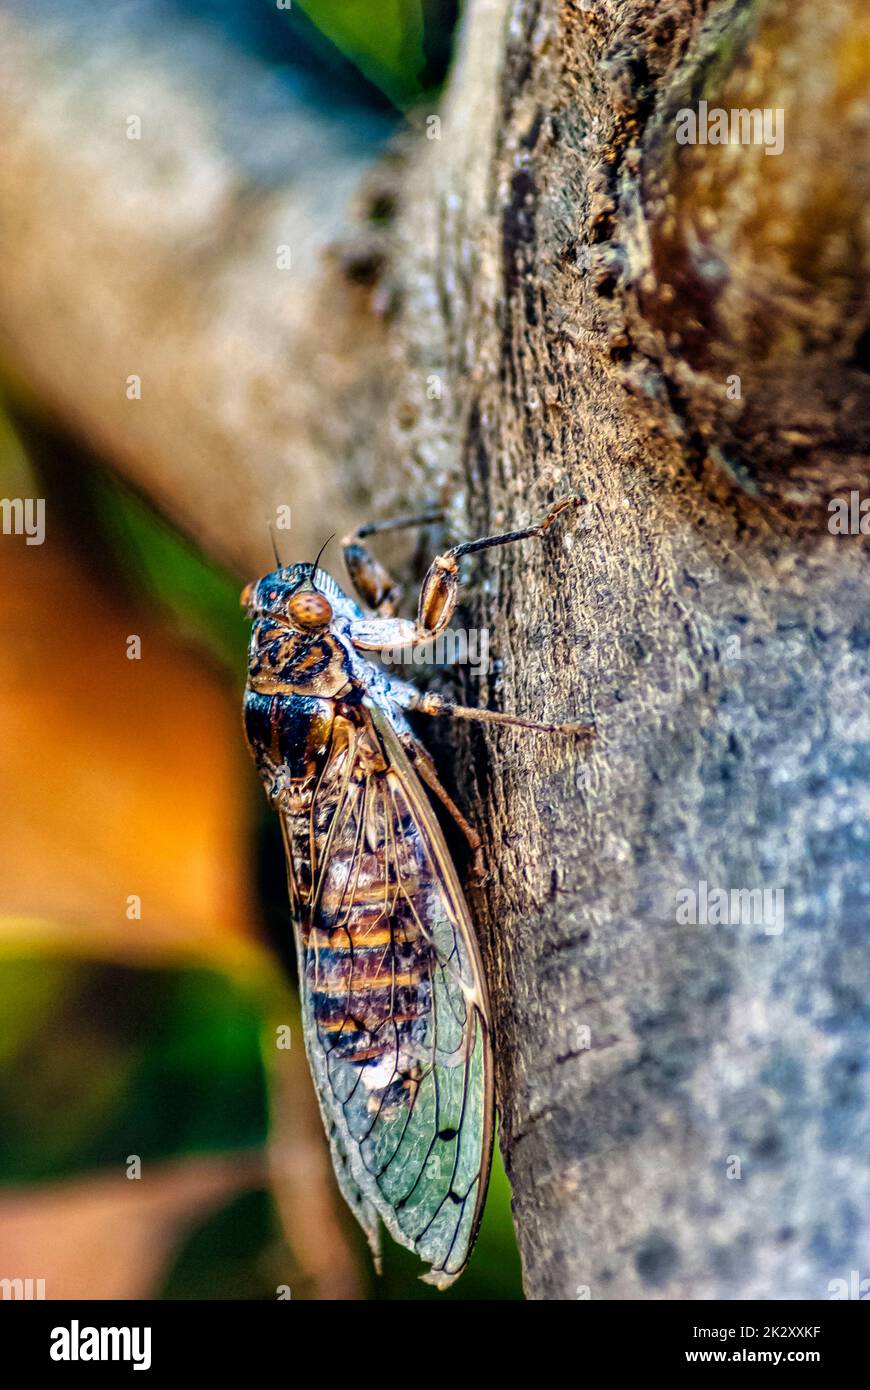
x,y
441,585
424,765
437,605
429,703
374,584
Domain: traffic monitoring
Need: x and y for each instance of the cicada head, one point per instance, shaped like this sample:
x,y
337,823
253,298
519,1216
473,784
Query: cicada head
x,y
294,646
298,596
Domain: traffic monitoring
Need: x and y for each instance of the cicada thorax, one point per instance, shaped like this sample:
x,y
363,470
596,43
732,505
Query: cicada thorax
x,y
283,661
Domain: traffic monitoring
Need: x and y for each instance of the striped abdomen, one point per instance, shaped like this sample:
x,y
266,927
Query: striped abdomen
x,y
358,881
367,960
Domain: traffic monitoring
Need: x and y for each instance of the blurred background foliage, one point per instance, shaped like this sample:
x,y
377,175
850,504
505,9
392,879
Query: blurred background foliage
x,y
391,54
148,1032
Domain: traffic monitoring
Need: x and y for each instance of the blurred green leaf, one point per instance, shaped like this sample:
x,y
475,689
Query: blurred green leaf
x,y
236,1252
98,1061
385,42
16,475
202,600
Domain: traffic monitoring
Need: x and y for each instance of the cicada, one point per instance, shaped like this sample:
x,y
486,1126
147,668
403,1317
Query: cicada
x,y
394,1002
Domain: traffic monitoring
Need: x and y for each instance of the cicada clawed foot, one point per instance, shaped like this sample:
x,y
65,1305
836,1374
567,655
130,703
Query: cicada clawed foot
x,y
478,874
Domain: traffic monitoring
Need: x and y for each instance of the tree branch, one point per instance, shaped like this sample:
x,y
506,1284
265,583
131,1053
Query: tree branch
x,y
157,257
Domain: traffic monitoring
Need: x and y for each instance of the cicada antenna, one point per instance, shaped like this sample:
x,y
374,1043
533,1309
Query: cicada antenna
x,y
320,552
278,561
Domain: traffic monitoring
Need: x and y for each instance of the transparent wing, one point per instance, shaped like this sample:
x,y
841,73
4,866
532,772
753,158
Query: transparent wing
x,y
394,1006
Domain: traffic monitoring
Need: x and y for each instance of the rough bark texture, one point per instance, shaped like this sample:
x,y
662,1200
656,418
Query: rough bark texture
x,y
566,295
718,639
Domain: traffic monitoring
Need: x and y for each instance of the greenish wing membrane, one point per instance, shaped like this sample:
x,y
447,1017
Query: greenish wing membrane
x,y
397,1033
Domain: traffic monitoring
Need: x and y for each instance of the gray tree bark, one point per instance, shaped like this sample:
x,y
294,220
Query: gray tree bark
x,y
561,302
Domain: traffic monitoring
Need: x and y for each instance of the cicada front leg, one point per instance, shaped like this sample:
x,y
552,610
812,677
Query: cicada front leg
x,y
441,585
438,597
374,584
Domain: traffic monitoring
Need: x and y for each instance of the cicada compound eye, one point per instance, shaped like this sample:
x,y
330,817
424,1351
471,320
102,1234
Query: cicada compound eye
x,y
309,610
